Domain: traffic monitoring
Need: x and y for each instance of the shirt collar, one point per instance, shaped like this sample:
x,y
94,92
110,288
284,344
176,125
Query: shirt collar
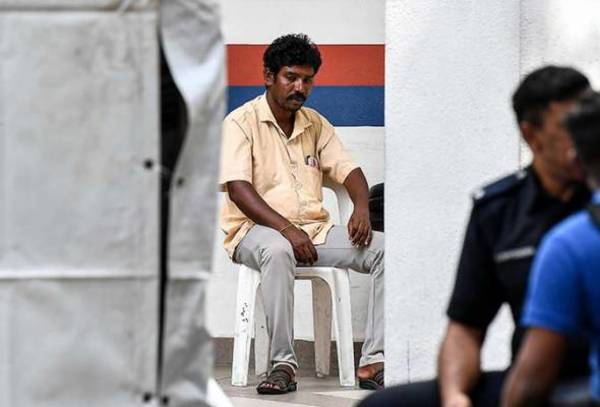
x,y
264,111
534,193
536,197
265,114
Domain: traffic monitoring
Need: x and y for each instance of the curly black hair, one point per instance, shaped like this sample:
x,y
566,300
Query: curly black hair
x,y
291,49
543,86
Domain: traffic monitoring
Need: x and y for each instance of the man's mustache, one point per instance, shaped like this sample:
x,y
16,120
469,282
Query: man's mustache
x,y
297,96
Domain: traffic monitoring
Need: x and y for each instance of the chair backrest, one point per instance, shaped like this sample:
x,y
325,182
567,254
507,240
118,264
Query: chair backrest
x,y
345,206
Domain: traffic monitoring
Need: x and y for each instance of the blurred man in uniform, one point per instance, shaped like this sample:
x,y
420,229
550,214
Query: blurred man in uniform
x,y
508,219
564,290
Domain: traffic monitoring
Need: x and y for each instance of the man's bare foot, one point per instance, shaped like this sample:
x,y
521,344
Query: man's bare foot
x,y
370,377
368,371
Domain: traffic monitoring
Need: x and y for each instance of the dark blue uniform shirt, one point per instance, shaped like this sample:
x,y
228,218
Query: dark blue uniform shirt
x,y
508,221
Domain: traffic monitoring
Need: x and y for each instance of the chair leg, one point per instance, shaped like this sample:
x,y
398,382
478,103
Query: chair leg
x,y
342,317
321,295
261,338
248,281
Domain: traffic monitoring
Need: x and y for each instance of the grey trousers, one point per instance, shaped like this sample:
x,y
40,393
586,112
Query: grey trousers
x,y
266,250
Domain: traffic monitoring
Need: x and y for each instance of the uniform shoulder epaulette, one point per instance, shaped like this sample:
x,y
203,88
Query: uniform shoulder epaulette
x,y
499,187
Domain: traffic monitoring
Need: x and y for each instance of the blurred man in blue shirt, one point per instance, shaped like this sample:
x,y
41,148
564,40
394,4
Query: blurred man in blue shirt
x,y
564,291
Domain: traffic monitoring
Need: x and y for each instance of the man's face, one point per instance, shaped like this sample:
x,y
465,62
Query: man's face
x,y
553,146
290,87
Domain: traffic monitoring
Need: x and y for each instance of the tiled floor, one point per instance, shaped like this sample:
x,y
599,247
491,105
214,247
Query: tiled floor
x,y
312,392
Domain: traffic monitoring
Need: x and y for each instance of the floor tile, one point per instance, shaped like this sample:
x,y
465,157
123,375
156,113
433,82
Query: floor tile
x,y
347,394
246,402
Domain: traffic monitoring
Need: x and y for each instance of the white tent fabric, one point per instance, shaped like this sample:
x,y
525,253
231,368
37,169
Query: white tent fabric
x,y
193,46
79,215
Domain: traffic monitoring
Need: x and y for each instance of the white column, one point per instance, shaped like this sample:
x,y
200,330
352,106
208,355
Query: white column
x,y
450,70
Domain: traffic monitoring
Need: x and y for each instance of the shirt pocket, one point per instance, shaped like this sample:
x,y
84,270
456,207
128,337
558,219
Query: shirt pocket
x,y
312,181
513,273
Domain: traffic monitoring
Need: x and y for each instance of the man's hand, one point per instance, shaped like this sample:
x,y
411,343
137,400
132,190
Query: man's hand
x,y
304,250
359,227
457,400
458,363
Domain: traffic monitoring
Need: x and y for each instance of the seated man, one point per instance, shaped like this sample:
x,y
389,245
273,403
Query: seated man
x,y
564,292
508,220
275,154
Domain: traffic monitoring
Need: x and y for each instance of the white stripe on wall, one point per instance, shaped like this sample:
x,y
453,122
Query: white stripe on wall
x,y
325,21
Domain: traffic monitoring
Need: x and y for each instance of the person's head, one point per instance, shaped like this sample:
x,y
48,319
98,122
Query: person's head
x,y
540,103
290,64
583,122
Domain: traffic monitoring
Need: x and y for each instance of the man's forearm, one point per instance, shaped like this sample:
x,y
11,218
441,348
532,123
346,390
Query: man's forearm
x,y
358,189
519,392
459,361
536,369
243,194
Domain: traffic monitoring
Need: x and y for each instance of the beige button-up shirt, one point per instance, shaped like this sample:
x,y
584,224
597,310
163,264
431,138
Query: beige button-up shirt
x,y
286,173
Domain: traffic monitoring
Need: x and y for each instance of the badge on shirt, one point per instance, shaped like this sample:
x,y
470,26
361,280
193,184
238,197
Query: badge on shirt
x,y
515,254
312,161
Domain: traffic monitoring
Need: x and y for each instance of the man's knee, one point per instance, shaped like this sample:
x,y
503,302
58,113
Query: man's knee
x,y
377,250
277,265
277,249
377,243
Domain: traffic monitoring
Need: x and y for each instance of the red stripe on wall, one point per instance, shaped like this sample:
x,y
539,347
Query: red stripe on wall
x,y
343,65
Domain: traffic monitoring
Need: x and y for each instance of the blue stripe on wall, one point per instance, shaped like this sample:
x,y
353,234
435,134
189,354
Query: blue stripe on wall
x,y
341,105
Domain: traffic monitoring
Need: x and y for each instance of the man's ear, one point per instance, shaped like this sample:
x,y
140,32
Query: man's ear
x,y
531,136
572,156
269,77
574,159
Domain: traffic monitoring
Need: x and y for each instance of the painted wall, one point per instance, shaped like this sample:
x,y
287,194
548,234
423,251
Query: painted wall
x,y
343,27
450,70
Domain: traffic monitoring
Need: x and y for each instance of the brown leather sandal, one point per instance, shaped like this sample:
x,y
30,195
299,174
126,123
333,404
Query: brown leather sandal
x,y
279,381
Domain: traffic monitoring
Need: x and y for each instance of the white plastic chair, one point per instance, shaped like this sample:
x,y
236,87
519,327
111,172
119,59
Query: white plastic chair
x,y
327,283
